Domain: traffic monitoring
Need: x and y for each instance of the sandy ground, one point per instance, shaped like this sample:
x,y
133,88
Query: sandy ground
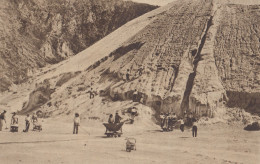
x,y
56,144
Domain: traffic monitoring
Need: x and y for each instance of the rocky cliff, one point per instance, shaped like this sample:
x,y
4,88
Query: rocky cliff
x,y
237,55
192,55
35,33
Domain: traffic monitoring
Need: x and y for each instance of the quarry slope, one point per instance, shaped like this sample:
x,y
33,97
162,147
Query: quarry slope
x,y
189,52
196,56
36,33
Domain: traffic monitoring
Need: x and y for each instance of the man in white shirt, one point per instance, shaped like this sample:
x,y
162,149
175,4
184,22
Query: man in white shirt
x,y
76,123
182,125
194,128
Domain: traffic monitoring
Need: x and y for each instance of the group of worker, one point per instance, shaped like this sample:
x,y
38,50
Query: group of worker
x,y
14,121
111,120
29,119
169,119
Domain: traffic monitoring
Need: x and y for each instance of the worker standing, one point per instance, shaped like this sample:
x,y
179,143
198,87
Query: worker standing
x,y
182,125
91,93
14,123
127,75
2,119
162,119
117,118
27,123
135,95
76,123
194,128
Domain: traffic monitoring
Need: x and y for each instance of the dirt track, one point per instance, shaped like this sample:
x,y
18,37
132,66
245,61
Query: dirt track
x,y
226,145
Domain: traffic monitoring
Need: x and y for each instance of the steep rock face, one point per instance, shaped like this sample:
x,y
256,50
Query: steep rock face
x,y
35,32
189,58
166,51
237,55
181,70
207,92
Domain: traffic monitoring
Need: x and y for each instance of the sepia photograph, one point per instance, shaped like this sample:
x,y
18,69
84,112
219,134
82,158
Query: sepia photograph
x,y
129,81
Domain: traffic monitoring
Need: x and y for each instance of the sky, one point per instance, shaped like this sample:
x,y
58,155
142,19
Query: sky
x,y
165,2
154,2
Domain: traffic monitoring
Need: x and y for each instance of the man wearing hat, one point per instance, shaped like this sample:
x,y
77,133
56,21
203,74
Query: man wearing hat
x,y
2,119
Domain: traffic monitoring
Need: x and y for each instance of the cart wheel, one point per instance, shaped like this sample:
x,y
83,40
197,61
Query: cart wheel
x,y
115,135
119,135
127,150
